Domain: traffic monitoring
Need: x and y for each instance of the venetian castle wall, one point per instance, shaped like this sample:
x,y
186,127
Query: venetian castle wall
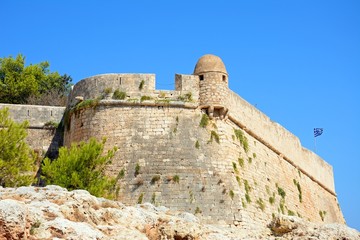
x,y
167,158
44,139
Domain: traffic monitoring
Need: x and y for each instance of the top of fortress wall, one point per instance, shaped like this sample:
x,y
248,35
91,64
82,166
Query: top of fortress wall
x,y
36,115
279,139
93,87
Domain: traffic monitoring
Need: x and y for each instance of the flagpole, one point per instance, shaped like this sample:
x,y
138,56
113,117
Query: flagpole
x,y
315,144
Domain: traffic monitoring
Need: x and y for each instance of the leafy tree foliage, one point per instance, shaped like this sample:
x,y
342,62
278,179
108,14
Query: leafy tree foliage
x,y
18,82
82,167
16,158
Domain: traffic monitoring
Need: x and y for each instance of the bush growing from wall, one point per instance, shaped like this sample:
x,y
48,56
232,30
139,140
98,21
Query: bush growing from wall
x,y
16,159
82,167
242,139
119,95
204,121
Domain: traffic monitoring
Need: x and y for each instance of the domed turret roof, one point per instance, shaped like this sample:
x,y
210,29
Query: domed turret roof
x,y
209,63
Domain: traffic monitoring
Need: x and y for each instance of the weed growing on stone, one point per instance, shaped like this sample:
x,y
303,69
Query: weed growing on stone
x,y
108,90
155,179
197,210
191,195
254,155
238,180
197,144
214,135
153,198
261,204
232,194
281,192
89,103
250,160
291,213
247,197
145,98
186,98
271,200
297,184
235,167
137,170
247,186
322,215
242,139
121,174
204,121
140,199
241,162
119,95
162,94
34,226
176,179
163,102
282,206
51,125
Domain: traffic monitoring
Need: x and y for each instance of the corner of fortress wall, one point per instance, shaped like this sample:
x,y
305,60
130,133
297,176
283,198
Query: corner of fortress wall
x,y
280,140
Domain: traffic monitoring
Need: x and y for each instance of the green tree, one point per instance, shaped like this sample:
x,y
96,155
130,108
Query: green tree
x,y
18,82
16,158
82,167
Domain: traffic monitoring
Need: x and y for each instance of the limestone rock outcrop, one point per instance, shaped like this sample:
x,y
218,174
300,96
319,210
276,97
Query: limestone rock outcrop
x,y
53,212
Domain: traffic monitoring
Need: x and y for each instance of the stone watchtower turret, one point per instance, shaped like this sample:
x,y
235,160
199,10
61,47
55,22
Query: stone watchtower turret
x,y
213,85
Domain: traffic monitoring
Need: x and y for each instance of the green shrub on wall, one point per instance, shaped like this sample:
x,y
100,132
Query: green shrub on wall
x,y
82,167
242,139
214,135
204,121
17,161
119,95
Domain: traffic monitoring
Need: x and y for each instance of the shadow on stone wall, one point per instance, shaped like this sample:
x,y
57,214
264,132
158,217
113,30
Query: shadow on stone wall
x,y
53,149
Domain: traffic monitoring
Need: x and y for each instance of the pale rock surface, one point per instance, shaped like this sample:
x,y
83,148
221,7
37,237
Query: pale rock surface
x,y
53,212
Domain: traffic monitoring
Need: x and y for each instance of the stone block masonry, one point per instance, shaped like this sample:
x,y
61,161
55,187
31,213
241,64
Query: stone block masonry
x,y
200,148
43,137
168,159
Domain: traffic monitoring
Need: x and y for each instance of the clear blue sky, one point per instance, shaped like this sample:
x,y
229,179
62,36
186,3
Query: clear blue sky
x,y
297,61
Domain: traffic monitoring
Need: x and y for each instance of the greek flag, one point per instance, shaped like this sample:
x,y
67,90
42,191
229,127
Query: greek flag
x,y
318,132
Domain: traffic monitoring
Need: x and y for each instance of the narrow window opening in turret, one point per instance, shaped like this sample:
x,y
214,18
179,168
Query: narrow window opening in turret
x,y
201,77
120,80
224,78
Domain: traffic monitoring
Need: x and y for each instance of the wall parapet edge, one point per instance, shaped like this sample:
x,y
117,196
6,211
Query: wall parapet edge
x,y
280,140
36,115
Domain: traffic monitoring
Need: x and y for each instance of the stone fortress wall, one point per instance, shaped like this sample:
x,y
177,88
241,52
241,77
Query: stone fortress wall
x,y
167,158
43,138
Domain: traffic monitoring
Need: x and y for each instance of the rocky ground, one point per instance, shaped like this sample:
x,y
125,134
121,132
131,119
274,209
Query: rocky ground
x,y
53,212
